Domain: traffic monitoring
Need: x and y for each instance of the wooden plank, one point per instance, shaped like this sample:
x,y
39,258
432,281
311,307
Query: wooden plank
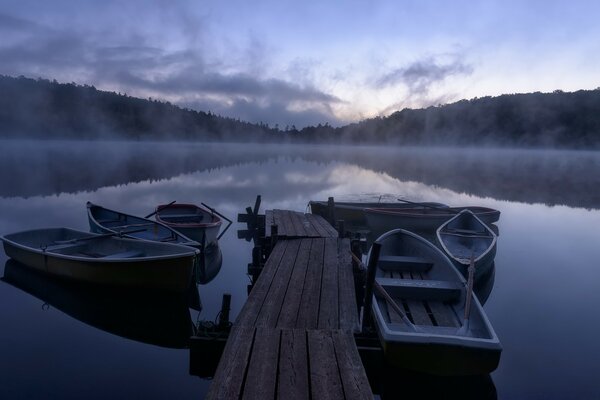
x,y
354,378
249,313
293,367
347,295
291,302
298,222
262,370
269,312
232,367
329,230
313,219
443,314
285,216
325,380
418,312
329,304
308,316
309,228
394,316
269,220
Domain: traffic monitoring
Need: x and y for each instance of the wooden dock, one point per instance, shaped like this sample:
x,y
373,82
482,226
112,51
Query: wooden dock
x,y
293,339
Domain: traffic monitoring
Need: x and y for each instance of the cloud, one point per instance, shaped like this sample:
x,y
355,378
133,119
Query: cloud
x,y
131,63
419,76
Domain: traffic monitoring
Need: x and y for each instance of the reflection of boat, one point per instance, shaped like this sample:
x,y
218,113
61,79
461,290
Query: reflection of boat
x,y
465,236
158,318
210,264
190,220
353,212
103,259
103,220
425,219
431,336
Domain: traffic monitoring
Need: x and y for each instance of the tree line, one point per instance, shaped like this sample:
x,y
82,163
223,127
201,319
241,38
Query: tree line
x,y
41,108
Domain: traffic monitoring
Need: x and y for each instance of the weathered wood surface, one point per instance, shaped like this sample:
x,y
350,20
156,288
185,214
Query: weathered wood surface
x,y
305,283
293,339
291,364
296,225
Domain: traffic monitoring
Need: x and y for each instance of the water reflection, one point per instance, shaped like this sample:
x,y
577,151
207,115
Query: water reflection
x,y
545,288
551,177
146,316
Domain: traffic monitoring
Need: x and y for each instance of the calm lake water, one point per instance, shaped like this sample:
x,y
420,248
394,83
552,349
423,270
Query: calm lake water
x,y
100,344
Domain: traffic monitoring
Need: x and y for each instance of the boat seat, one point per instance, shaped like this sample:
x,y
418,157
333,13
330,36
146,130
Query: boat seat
x,y
422,289
125,254
107,221
180,215
465,231
404,263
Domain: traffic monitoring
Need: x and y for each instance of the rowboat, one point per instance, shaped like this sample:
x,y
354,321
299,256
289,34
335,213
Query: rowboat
x,y
353,212
103,220
103,259
155,317
465,235
420,311
190,220
421,220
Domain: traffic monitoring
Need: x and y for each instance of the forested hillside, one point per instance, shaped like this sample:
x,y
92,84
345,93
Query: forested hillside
x,y
45,109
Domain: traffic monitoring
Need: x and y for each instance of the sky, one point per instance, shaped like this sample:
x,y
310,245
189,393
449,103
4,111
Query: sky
x,y
304,63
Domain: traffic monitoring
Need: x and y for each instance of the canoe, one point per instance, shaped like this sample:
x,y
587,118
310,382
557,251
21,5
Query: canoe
x,y
103,259
190,220
424,283
103,220
421,220
352,213
148,316
465,235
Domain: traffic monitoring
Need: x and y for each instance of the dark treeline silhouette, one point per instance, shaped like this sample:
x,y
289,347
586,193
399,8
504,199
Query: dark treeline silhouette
x,y
48,109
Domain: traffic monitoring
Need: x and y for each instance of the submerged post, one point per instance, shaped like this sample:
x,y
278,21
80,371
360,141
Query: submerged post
x,y
224,314
371,268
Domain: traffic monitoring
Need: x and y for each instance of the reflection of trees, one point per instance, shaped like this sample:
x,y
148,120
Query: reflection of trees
x,y
569,178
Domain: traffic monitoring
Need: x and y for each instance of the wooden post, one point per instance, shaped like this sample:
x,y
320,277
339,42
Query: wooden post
x,y
371,268
224,314
341,228
331,210
358,272
274,233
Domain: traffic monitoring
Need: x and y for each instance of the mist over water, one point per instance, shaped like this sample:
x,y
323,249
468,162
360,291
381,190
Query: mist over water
x,y
542,306
552,177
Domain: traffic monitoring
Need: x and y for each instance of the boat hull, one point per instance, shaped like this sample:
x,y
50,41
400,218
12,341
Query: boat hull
x,y
421,280
353,213
169,272
191,221
383,220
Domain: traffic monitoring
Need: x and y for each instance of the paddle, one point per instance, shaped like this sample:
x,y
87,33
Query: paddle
x,y
395,306
387,297
465,326
104,235
160,208
212,210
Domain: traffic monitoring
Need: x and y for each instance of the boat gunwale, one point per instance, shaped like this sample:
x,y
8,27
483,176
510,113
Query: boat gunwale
x,y
216,223
185,251
449,253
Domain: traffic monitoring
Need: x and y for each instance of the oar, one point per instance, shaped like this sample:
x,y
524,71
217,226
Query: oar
x,y
160,208
395,306
104,235
388,298
429,206
212,210
465,326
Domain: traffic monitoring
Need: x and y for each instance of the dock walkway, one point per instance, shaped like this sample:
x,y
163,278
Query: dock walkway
x,y
293,339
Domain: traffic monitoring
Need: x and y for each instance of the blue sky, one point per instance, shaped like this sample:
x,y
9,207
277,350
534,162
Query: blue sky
x,y
290,62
